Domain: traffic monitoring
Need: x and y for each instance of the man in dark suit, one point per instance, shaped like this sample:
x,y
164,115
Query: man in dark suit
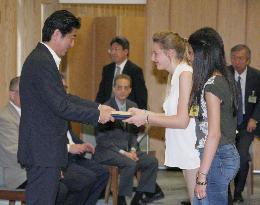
x,y
46,108
119,52
117,146
248,80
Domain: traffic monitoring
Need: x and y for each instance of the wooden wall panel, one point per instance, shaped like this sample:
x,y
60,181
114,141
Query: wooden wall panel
x,y
188,16
105,28
8,36
102,10
133,28
232,23
253,31
80,74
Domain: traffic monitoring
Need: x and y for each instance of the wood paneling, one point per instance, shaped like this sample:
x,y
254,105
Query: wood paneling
x,y
253,32
80,73
8,36
188,16
134,29
105,28
232,23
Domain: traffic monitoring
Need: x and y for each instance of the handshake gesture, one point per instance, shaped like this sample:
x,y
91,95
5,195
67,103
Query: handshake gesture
x,y
105,114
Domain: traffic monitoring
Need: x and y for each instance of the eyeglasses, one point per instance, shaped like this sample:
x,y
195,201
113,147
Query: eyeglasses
x,y
110,50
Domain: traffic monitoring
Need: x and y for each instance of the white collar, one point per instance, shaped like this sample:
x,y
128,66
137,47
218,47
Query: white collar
x,y
119,103
122,65
18,109
242,75
56,58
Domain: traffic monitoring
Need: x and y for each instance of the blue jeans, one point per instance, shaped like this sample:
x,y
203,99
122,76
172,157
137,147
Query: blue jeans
x,y
223,169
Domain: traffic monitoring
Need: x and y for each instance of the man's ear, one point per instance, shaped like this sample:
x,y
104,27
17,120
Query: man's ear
x,y
56,34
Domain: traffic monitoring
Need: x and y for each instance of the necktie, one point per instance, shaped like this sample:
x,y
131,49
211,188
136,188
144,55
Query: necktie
x,y
118,69
117,72
240,102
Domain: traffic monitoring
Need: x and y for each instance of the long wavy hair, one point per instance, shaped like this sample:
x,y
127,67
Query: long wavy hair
x,y
209,57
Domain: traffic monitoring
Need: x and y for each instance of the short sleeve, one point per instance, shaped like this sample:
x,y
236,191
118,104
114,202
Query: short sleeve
x,y
216,87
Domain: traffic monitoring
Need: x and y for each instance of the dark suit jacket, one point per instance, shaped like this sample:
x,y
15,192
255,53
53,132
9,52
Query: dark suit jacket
x,y
252,110
46,108
116,135
139,90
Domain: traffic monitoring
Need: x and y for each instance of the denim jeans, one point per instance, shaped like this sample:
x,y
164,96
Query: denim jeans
x,y
223,169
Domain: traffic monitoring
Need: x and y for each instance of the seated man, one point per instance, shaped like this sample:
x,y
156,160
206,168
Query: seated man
x,y
14,175
117,146
84,178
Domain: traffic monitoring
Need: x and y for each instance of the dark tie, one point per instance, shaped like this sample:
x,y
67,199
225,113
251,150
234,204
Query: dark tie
x,y
240,102
117,72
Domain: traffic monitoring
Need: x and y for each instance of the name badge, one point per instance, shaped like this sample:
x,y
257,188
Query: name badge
x,y
194,111
252,98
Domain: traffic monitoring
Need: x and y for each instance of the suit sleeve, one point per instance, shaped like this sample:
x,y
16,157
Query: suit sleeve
x,y
256,112
9,140
140,89
51,91
100,98
83,102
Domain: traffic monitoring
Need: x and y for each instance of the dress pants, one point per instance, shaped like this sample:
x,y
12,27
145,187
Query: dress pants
x,y
85,180
243,142
42,185
127,168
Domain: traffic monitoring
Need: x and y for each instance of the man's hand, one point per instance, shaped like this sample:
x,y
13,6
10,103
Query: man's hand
x,y
251,125
89,148
78,148
131,156
134,155
105,114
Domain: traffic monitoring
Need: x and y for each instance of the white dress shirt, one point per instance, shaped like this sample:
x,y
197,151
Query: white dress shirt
x,y
56,58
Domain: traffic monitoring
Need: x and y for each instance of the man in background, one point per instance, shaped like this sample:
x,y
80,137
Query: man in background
x,y
248,81
14,175
119,53
117,146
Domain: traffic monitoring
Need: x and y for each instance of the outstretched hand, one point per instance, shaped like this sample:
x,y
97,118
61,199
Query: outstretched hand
x,y
105,114
139,117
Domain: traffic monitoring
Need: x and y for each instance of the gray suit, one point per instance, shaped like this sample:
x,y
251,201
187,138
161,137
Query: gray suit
x,y
112,137
14,175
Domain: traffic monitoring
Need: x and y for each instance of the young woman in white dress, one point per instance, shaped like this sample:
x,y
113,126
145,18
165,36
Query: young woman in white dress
x,y
170,52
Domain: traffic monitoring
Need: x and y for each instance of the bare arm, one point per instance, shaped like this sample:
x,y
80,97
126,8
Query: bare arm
x,y
180,120
211,145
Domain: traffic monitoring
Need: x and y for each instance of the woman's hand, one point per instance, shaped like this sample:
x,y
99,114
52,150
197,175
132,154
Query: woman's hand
x,y
139,117
201,185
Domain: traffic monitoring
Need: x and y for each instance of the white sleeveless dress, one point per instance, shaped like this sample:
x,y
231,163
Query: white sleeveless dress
x,y
180,143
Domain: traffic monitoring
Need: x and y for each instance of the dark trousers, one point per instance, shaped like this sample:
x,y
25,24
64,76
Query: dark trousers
x,y
42,185
148,165
243,142
85,180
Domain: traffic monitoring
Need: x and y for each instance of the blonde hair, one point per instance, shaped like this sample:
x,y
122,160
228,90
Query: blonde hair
x,y
169,40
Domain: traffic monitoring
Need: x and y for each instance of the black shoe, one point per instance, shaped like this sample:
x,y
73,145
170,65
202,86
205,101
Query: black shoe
x,y
150,197
121,200
137,202
238,197
138,199
185,203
